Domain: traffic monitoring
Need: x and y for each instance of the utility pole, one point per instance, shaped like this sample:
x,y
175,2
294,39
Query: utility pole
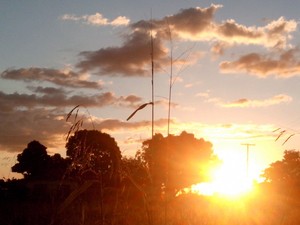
x,y
248,147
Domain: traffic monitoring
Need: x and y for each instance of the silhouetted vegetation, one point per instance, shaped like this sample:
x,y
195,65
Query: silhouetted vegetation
x,y
178,160
94,155
35,163
94,184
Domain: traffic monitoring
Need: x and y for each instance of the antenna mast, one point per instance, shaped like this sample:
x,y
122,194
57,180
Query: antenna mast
x,y
152,77
171,77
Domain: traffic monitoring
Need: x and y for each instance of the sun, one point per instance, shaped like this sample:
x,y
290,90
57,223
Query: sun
x,y
228,180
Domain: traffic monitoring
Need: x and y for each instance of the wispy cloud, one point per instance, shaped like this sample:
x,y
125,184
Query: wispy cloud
x,y
286,65
97,19
64,78
189,85
51,97
114,125
245,103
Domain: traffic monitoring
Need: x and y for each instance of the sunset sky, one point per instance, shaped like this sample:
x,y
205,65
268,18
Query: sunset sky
x,y
236,67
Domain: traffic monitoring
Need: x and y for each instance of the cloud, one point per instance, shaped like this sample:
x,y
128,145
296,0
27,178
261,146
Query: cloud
x,y
113,124
218,48
42,116
65,78
189,85
198,24
120,20
274,35
192,23
132,58
49,126
97,19
23,126
286,65
59,99
245,103
47,90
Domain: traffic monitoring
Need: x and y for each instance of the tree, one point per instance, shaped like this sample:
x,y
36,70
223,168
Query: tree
x,y
285,174
176,161
94,155
35,163
32,162
57,167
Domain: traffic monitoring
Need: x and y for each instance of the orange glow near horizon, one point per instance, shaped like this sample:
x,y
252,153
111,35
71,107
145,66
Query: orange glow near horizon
x,y
236,175
225,181
229,179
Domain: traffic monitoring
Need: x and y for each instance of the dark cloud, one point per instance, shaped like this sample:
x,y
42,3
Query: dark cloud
x,y
23,126
50,127
9,102
132,98
47,90
61,78
131,59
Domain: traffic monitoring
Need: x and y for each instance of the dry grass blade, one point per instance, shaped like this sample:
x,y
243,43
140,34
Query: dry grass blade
x,y
281,133
76,115
70,113
75,127
288,139
139,108
276,129
69,132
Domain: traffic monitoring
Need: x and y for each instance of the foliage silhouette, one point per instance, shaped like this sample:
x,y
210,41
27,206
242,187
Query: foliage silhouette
x,y
35,163
284,175
130,202
180,160
94,155
32,162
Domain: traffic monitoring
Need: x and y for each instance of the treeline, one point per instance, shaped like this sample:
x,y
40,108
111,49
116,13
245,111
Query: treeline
x,y
95,184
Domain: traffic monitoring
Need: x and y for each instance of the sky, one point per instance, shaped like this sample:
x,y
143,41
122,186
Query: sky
x,y
235,69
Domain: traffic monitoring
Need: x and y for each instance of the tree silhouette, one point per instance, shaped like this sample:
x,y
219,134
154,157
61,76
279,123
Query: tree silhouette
x,y
94,155
35,163
32,162
57,167
285,173
176,161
